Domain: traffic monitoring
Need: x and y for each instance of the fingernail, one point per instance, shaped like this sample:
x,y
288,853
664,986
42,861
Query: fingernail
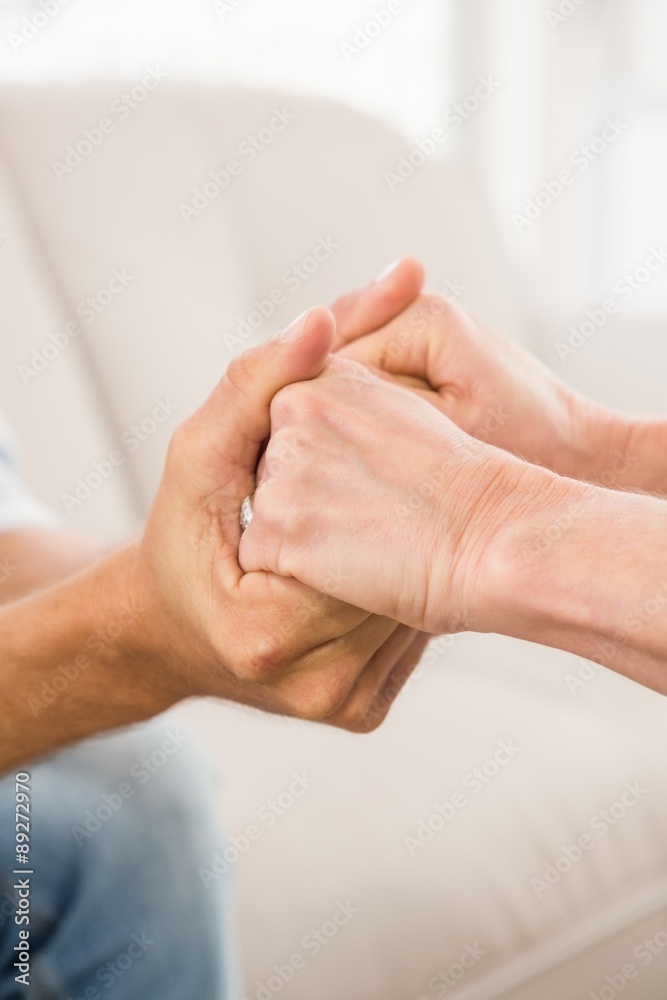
x,y
293,330
387,271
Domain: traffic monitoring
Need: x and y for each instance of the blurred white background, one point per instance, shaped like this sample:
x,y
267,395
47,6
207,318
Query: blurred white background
x,y
562,70
562,74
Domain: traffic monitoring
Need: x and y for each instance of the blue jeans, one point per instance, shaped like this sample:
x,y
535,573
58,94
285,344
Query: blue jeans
x,y
120,827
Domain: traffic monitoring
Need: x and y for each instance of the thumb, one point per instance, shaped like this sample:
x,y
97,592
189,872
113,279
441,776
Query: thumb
x,y
235,420
364,311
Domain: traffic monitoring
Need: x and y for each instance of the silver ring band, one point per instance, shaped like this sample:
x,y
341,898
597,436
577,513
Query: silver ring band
x,y
246,513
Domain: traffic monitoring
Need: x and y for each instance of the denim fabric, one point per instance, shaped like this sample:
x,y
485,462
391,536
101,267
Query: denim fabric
x,y
118,907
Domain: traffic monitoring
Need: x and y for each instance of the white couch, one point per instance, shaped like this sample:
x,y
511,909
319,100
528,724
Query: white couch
x,y
572,754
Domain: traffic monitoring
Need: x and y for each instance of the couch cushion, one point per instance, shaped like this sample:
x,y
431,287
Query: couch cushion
x,y
203,249
455,829
553,757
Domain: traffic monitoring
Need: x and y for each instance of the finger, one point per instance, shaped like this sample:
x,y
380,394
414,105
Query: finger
x,y
232,424
401,673
396,679
318,684
369,308
373,694
399,349
302,619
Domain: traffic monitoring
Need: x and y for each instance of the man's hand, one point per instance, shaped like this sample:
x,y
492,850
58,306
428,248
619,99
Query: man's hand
x,y
255,637
174,615
380,492
489,385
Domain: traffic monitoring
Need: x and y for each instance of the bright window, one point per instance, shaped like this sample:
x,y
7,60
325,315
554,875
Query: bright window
x,y
387,57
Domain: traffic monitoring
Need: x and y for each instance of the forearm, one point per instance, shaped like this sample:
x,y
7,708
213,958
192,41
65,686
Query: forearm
x,y
647,452
617,451
583,569
74,663
33,558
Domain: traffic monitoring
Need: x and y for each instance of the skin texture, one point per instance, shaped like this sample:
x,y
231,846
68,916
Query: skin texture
x,y
446,532
499,393
90,643
335,496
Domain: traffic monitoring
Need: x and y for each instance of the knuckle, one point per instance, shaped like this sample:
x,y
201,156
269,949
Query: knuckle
x,y
303,402
266,657
321,694
286,444
287,452
315,706
285,406
238,373
259,661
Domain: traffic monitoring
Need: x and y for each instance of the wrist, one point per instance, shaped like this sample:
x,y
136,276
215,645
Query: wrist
x,y
522,573
490,492
601,445
130,635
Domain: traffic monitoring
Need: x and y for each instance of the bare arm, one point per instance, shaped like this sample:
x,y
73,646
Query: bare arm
x,y
645,452
584,569
448,534
75,657
64,675
87,649
33,558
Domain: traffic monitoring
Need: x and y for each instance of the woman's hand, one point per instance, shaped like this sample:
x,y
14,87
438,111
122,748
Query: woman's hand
x,y
489,385
254,637
372,496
